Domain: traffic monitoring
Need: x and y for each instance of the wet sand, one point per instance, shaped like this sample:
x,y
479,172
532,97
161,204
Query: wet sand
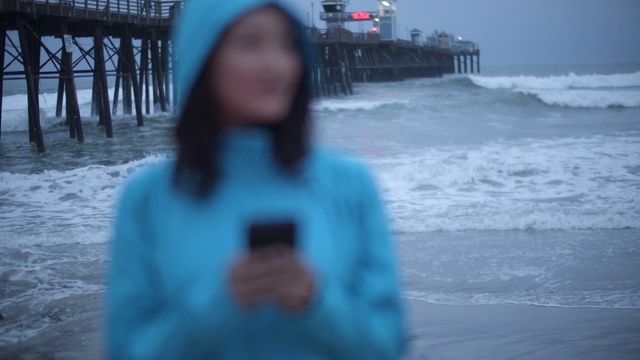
x,y
522,332
75,337
435,332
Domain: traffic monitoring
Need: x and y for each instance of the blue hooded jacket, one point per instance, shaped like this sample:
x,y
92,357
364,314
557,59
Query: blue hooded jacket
x,y
169,295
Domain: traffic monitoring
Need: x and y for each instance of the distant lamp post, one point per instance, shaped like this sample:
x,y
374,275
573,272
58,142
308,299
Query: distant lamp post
x,y
385,3
313,20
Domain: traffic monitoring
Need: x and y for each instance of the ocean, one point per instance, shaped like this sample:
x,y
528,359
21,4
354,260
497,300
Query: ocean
x,y
519,186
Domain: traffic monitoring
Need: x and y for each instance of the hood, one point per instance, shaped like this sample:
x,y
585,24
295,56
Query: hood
x,y
199,29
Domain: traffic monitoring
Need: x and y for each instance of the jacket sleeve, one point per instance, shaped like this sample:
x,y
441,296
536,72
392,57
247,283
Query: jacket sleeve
x,y
143,322
366,322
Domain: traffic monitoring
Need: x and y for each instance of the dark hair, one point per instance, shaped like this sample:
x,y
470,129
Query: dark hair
x,y
200,128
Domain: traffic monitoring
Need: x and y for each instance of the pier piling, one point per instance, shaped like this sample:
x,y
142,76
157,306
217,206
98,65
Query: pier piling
x,y
66,70
164,56
3,34
26,44
116,89
126,43
102,85
144,73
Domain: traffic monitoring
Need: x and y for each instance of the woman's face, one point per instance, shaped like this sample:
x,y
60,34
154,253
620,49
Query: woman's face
x,y
257,69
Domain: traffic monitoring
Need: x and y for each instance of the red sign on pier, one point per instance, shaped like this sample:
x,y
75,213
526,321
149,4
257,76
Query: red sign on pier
x,y
361,15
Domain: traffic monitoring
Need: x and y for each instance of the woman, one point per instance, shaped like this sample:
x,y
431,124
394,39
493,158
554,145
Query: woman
x,y
185,281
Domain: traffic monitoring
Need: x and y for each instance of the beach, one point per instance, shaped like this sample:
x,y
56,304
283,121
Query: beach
x,y
522,332
478,313
435,332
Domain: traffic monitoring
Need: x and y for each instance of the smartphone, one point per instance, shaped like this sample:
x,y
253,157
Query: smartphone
x,y
270,233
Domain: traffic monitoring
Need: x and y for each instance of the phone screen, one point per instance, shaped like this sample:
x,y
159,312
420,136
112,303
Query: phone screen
x,y
267,234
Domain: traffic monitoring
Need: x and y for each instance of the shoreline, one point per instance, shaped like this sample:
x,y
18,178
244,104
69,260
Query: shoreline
x,y
434,332
521,332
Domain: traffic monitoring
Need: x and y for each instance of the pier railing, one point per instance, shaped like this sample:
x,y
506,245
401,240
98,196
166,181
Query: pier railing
x,y
342,36
151,12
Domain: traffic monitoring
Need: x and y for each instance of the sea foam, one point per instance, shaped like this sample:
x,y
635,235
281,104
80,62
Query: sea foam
x,y
570,81
349,104
576,91
536,185
63,207
15,110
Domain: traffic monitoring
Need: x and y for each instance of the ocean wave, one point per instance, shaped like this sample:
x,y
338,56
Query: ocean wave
x,y
63,207
539,185
587,98
575,91
349,104
15,112
571,81
523,219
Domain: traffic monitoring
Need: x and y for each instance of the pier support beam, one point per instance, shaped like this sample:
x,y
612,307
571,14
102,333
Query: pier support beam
x,y
34,55
464,58
95,94
175,87
144,74
165,70
26,47
116,89
36,52
126,45
3,33
340,69
158,79
60,96
103,87
471,57
73,109
127,107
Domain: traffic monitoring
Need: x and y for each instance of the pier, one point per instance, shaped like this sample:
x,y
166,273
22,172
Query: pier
x,y
347,58
130,44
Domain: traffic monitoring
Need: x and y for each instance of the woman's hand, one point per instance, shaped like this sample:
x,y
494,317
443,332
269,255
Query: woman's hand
x,y
272,273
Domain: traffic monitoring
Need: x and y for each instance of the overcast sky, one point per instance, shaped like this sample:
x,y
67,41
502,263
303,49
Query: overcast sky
x,y
520,32
524,31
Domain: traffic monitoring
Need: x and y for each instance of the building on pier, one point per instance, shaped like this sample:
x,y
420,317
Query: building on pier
x,y
335,14
387,13
383,20
465,53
